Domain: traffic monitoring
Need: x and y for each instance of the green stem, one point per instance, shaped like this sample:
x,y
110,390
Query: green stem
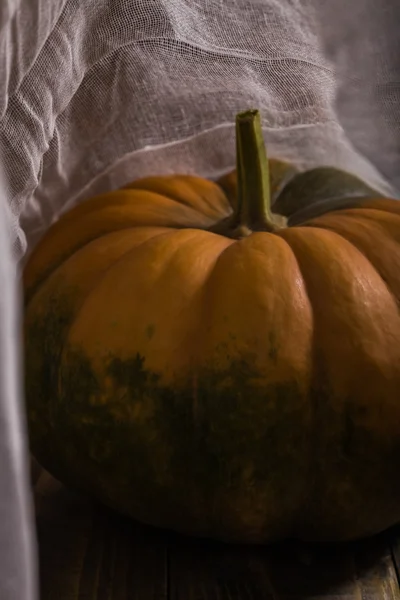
x,y
252,211
254,197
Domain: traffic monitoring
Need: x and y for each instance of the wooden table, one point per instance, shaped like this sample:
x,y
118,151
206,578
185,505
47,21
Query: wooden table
x,y
89,553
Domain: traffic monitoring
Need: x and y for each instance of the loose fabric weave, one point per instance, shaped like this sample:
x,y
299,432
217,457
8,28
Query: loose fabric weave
x,y
95,93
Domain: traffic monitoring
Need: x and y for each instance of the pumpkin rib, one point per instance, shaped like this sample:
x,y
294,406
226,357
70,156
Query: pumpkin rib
x,y
314,210
204,312
197,332
223,296
339,240
127,254
121,196
80,252
75,257
312,482
33,281
358,331
87,311
68,235
359,229
59,321
387,205
317,439
188,190
391,219
130,255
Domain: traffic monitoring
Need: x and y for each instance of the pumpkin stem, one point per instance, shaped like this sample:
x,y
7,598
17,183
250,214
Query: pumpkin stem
x,y
254,196
253,207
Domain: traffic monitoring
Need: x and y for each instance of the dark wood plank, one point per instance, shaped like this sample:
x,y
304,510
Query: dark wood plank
x,y
88,553
374,569
206,571
395,545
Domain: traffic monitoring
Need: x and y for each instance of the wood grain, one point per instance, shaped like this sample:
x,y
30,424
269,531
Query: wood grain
x,y
363,572
89,553
395,546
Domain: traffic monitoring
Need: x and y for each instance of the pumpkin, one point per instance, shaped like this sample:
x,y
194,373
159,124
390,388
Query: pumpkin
x,y
203,362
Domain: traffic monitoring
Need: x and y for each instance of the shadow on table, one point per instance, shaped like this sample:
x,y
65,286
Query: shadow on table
x,y
89,552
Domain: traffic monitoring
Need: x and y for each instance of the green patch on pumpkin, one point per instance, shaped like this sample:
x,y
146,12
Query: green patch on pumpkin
x,y
216,454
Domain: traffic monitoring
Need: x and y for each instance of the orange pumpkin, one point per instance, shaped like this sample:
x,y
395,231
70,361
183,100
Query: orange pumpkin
x,y
201,363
